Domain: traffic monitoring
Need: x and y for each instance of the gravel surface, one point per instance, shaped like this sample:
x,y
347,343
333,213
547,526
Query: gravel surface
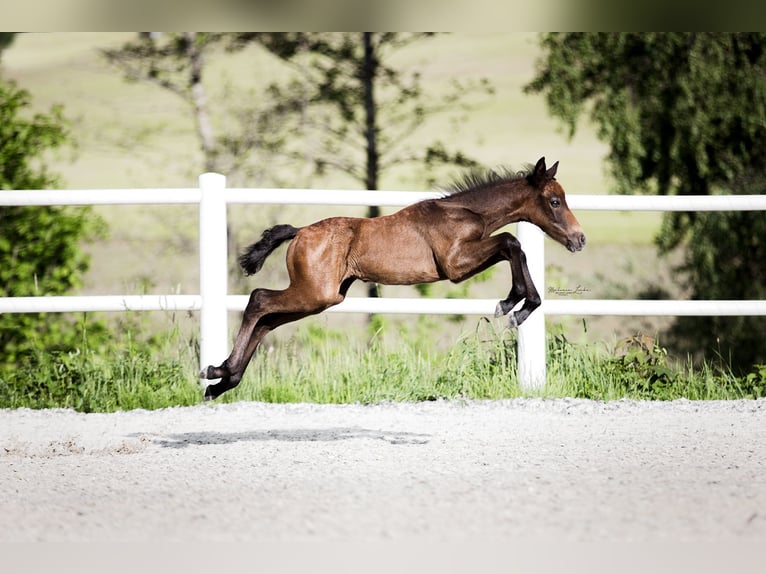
x,y
444,471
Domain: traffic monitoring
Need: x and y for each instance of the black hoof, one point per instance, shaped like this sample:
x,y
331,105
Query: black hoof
x,y
512,321
209,394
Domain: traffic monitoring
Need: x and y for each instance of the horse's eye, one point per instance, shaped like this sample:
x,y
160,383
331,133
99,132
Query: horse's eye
x,y
555,202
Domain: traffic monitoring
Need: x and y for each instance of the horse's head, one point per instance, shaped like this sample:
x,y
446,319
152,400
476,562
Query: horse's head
x,y
550,211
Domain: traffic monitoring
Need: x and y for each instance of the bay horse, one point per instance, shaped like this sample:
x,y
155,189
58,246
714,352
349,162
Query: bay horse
x,y
435,239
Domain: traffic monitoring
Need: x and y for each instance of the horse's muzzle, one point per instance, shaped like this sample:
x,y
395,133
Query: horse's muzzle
x,y
576,242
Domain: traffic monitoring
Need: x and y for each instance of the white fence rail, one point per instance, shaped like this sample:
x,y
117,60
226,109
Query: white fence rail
x,y
213,301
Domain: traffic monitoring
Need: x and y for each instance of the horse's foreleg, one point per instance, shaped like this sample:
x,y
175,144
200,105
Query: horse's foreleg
x,y
522,287
466,259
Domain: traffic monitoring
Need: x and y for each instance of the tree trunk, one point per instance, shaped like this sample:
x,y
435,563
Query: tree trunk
x,y
199,101
369,70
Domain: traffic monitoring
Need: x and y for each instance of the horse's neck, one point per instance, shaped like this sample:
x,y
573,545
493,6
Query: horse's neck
x,y
500,206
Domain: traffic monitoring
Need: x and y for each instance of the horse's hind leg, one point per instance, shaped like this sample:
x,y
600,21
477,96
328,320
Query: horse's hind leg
x,y
230,378
266,310
315,264
231,370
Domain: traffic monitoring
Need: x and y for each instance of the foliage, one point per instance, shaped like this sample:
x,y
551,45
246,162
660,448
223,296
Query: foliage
x,y
228,133
6,39
754,383
39,246
638,368
726,259
645,91
643,364
327,366
133,373
331,366
683,113
366,107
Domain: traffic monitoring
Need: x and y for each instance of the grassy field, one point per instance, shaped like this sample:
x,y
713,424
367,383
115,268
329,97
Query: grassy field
x,y
323,365
134,135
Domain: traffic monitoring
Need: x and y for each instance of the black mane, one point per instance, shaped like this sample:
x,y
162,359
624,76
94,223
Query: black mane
x,y
476,180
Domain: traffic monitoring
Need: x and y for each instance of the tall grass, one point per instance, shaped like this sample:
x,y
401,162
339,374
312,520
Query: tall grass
x,y
639,368
328,366
129,373
334,367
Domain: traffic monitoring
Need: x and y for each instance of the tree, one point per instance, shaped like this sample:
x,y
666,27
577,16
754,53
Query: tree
x,y
366,108
39,246
174,62
178,63
683,113
6,39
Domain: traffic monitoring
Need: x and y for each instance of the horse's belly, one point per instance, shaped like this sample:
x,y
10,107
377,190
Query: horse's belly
x,y
396,263
392,250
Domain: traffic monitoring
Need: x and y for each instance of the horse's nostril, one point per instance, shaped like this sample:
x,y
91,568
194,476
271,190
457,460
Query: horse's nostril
x,y
582,239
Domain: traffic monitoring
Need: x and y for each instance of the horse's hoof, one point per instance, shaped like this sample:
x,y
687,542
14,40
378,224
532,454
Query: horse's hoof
x,y
512,322
206,373
209,394
499,312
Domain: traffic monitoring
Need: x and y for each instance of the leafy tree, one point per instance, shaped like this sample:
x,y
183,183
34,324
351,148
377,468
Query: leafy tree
x,y
174,62
39,246
683,113
178,63
6,39
366,108
235,140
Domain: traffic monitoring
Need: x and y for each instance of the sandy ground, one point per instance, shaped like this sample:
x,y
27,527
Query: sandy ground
x,y
443,471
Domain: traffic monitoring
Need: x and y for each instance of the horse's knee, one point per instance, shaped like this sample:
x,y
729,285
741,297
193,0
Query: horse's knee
x,y
512,243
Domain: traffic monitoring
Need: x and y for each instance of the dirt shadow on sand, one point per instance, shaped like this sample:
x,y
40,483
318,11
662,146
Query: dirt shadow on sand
x,y
184,440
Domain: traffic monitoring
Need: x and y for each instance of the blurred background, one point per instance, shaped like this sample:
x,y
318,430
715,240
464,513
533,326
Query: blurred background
x,y
622,113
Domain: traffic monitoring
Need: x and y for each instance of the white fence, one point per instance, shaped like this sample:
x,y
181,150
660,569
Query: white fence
x,y
213,300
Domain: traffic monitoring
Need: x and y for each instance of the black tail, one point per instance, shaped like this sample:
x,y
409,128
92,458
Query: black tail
x,y
252,259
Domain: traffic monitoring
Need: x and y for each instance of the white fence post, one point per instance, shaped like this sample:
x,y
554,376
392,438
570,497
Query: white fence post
x,y
213,276
531,342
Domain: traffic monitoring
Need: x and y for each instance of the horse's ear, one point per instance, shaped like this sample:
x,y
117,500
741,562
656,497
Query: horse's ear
x,y
551,173
538,176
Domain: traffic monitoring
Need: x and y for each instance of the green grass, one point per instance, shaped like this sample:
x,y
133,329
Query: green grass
x,y
135,368
337,366
330,367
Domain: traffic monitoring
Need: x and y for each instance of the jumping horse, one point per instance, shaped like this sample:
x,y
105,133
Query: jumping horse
x,y
446,238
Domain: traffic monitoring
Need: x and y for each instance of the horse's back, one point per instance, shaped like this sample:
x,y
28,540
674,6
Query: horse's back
x,y
398,249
